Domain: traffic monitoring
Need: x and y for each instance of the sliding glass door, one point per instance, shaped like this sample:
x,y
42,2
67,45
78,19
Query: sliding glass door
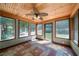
x,y
48,31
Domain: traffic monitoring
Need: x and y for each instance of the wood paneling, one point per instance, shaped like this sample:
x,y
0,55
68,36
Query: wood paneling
x,y
54,10
10,15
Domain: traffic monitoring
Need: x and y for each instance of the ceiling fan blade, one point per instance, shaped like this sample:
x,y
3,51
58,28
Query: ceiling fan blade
x,y
29,14
35,10
43,14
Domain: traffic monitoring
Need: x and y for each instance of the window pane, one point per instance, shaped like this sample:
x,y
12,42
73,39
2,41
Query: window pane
x,y
32,28
62,29
23,29
7,27
48,31
76,28
39,29
0,32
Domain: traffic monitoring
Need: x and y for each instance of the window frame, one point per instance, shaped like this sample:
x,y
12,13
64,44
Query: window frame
x,y
14,28
78,27
69,28
19,29
51,30
37,29
30,29
74,27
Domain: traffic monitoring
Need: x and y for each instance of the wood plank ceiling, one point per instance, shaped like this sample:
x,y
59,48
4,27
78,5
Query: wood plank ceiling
x,y
54,10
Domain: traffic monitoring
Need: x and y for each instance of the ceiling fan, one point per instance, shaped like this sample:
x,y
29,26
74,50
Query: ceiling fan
x,y
36,14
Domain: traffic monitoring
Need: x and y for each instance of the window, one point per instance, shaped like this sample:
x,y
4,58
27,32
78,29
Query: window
x,y
23,27
0,31
48,31
32,29
39,29
62,29
76,28
7,28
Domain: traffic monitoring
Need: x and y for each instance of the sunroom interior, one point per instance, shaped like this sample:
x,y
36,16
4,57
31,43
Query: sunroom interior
x,y
39,29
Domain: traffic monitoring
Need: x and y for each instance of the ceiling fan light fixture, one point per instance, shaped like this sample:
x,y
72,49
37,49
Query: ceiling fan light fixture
x,y
36,17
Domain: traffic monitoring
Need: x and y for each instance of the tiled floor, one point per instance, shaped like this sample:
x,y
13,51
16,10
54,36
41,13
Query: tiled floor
x,y
38,48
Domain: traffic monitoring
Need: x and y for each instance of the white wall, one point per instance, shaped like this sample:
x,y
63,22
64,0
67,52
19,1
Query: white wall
x,y
12,42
